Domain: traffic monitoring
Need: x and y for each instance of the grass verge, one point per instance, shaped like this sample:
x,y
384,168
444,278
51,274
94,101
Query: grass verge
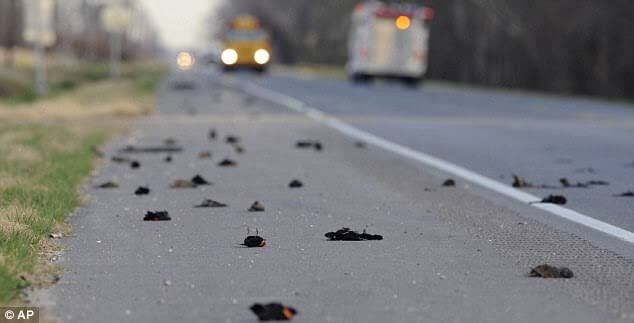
x,y
46,149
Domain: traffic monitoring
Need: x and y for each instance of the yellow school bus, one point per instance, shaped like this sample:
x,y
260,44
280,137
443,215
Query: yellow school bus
x,y
246,44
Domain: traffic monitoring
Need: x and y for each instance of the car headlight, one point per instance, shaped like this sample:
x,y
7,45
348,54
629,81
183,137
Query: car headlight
x,y
229,56
185,60
261,56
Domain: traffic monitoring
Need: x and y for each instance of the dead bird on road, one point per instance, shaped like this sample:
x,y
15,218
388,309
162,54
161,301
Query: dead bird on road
x,y
168,159
273,312
345,234
142,190
449,182
109,184
230,139
303,144
256,207
199,180
552,199
254,241
566,184
192,183
204,155
227,163
120,159
210,203
520,182
135,164
212,134
151,149
548,271
295,184
169,141
625,194
183,183
157,216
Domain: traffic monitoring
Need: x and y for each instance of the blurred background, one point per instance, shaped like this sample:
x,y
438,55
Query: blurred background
x,y
582,47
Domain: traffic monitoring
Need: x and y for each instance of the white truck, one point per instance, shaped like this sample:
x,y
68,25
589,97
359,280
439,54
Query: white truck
x,y
388,41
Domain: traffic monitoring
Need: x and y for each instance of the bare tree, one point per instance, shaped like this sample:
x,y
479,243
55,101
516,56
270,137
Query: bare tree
x,y
10,28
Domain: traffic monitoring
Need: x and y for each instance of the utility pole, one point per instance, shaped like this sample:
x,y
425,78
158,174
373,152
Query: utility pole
x,y
115,54
39,31
116,20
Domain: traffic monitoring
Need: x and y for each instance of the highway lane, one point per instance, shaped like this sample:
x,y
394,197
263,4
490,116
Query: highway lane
x,y
495,133
448,254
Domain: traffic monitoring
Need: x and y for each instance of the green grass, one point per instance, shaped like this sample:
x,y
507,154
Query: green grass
x,y
48,187
45,155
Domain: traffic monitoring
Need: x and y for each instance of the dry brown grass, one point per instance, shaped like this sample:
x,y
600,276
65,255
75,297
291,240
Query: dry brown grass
x,y
14,218
20,153
103,99
8,180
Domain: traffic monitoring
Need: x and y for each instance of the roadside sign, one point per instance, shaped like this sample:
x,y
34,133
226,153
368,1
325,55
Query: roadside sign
x,y
38,22
116,19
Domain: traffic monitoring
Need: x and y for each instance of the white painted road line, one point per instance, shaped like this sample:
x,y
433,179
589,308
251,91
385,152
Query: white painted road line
x,y
471,176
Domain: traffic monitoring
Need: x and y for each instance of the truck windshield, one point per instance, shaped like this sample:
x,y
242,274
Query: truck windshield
x,y
246,35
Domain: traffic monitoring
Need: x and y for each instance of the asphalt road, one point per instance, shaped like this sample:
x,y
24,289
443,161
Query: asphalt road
x,y
496,134
449,254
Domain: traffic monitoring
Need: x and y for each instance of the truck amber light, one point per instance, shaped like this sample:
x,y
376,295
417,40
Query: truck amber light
x,y
402,22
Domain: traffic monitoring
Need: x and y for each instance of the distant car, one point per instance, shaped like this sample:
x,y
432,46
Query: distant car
x,y
388,41
246,44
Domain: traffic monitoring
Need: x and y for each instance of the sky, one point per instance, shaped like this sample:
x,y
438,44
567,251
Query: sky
x,y
180,22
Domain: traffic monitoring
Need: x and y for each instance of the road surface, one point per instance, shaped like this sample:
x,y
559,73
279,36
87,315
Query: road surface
x,y
449,254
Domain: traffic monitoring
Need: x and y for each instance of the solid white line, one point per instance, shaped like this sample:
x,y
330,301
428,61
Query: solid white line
x,y
574,216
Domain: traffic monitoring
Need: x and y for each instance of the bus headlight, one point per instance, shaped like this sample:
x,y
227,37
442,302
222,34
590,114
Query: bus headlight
x,y
229,56
261,56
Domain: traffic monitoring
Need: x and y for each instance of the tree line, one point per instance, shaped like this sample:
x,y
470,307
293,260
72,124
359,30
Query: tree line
x,y
577,47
